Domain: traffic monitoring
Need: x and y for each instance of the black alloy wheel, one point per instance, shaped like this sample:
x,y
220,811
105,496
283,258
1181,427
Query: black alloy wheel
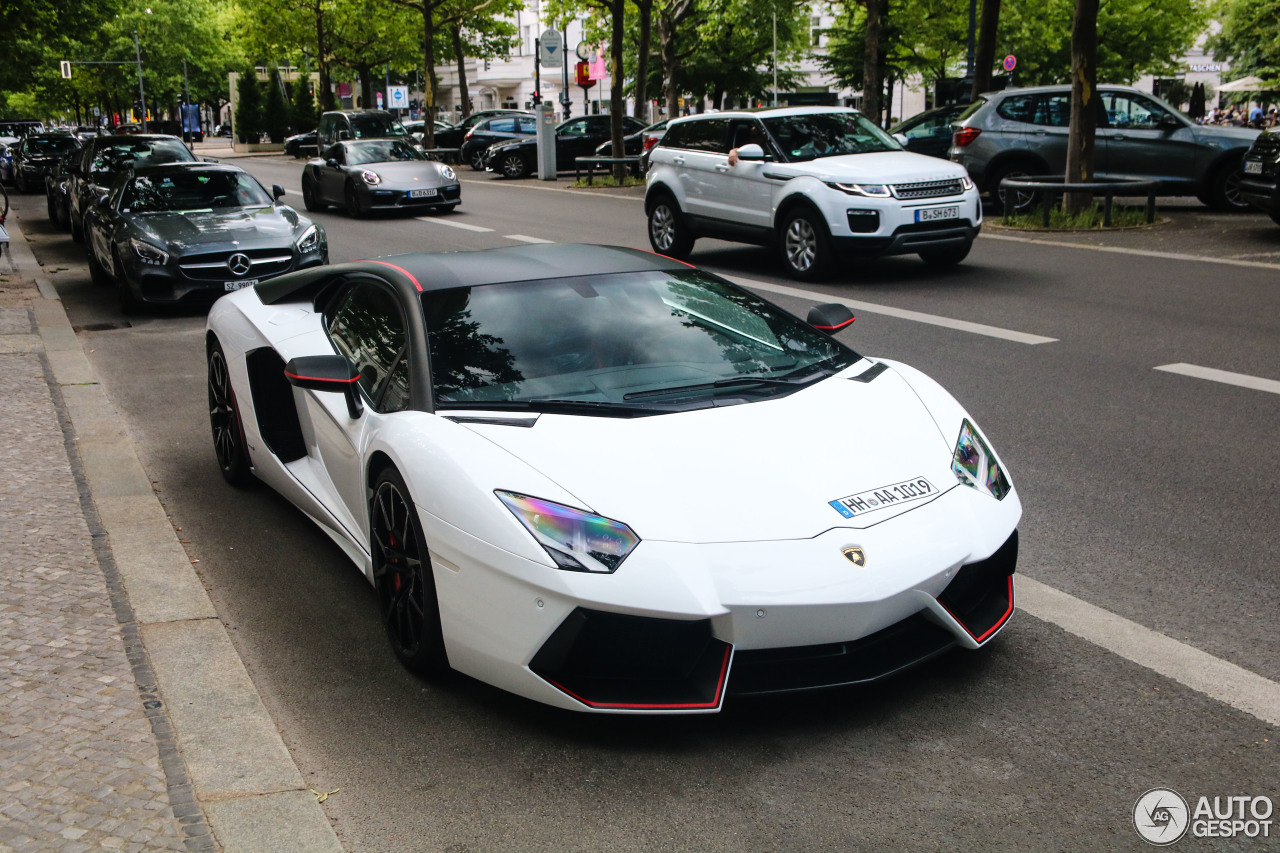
x,y
224,420
354,209
512,165
403,578
309,199
476,159
668,235
1224,189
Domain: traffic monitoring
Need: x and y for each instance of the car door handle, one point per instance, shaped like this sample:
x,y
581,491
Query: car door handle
x,y
722,167
679,161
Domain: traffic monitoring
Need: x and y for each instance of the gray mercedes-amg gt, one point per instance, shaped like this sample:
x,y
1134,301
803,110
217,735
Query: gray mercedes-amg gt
x,y
191,232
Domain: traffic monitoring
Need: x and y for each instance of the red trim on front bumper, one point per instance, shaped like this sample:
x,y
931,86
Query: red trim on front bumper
x,y
1003,619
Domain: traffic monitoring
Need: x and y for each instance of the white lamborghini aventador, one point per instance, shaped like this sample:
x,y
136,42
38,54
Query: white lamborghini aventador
x,y
556,465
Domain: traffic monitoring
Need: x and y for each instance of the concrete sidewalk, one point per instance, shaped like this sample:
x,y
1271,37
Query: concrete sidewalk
x,y
127,720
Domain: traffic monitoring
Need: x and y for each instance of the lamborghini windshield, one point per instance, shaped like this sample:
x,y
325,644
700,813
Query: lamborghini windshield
x,y
656,341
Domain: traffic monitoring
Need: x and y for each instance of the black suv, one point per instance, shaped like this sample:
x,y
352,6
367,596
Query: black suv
x,y
1260,185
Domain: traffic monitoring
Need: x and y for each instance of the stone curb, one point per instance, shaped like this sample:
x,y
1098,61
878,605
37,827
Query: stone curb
x,y
225,746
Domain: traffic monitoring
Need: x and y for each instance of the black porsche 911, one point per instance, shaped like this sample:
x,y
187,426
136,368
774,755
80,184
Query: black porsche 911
x,y
191,232
378,174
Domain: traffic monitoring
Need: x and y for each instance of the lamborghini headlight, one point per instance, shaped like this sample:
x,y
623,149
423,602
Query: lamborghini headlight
x,y
865,190
975,465
148,253
371,177
309,241
578,541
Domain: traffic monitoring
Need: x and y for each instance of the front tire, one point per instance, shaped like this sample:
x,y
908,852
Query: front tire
x,y
476,160
97,272
130,303
224,420
1019,201
403,578
309,200
512,166
354,209
805,245
1224,188
947,257
668,233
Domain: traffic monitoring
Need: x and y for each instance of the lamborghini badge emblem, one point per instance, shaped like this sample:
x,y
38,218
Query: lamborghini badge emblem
x,y
855,555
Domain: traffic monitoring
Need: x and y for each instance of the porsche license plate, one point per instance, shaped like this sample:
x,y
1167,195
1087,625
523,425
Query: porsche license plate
x,y
933,214
1253,167
917,488
422,193
236,285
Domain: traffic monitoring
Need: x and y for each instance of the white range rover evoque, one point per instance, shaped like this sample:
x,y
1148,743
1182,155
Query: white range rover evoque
x,y
818,182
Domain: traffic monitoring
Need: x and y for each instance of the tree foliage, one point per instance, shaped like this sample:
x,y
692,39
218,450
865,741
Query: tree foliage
x,y
248,121
1250,38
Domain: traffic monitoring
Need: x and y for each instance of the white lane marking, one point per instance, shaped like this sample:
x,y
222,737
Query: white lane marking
x,y
1145,253
463,225
522,238
601,193
1202,672
1244,380
900,313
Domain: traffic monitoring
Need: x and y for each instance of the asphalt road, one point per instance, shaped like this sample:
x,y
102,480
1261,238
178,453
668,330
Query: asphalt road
x,y
1148,493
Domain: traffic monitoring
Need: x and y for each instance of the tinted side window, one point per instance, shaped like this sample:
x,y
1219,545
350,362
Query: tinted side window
x,y
1053,110
1018,108
500,125
369,330
706,135
528,124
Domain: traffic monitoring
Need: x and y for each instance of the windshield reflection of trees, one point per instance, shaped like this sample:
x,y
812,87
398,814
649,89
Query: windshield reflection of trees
x,y
596,335
369,332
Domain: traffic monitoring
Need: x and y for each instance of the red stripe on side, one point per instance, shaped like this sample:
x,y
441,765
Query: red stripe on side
x,y
1003,619
724,668
394,267
320,378
669,258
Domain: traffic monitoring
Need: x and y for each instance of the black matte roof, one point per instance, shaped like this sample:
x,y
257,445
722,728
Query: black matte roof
x,y
185,166
428,271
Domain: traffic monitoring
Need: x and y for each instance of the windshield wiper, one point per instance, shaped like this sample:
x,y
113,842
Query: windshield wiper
x,y
729,382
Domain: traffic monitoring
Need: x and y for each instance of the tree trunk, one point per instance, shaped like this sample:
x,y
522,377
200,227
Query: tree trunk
x,y
872,73
645,8
432,82
616,106
367,100
1084,102
670,72
455,33
985,56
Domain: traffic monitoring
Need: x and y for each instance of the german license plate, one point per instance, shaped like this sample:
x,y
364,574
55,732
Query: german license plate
x,y
896,494
1253,168
236,285
422,193
933,214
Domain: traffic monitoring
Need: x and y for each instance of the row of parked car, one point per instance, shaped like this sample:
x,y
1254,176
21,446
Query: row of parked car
x,y
501,141
161,225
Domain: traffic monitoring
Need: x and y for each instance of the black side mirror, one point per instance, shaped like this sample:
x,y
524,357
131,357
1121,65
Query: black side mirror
x,y
277,191
331,163
1168,122
327,373
830,318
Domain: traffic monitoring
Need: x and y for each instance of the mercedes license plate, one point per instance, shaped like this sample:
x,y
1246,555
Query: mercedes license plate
x,y
236,285
422,193
933,214
1253,167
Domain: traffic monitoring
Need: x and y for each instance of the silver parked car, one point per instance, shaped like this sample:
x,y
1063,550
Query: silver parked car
x,y
1021,132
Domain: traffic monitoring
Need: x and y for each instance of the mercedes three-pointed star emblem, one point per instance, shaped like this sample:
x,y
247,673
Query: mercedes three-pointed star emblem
x,y
239,264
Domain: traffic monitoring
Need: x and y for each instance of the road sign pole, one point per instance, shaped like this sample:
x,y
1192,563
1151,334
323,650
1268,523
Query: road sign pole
x,y
565,97
537,71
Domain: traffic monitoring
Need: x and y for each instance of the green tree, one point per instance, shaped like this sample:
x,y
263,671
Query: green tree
x,y
1250,38
304,105
276,119
248,124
